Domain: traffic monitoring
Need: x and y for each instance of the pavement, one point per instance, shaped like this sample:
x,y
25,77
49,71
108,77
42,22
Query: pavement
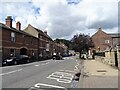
x,y
96,74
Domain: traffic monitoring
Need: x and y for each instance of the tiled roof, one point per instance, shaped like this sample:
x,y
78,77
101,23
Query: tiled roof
x,y
41,32
14,29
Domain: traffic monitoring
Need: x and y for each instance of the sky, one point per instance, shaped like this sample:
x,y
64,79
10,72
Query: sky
x,y
63,18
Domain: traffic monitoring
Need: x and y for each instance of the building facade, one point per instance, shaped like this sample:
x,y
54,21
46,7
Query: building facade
x,y
45,43
30,41
103,41
17,42
46,46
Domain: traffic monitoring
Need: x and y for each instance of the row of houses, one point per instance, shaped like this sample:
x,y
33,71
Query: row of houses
x,y
30,41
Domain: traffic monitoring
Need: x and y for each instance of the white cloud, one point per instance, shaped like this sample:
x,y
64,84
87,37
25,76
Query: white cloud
x,y
62,20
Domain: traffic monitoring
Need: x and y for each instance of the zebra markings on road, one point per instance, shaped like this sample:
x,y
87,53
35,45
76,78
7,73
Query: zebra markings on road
x,y
62,76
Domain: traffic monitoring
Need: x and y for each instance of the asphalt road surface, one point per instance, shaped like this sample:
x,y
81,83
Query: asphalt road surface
x,y
42,74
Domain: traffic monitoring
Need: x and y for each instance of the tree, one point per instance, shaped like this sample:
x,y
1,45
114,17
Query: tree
x,y
81,43
66,42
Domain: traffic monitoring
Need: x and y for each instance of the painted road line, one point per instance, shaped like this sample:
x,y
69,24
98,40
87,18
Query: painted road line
x,y
38,85
63,74
67,71
19,65
36,65
11,72
45,63
26,64
64,81
76,66
62,77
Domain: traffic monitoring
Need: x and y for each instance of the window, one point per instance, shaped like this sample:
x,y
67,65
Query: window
x,y
32,41
41,37
40,41
12,52
107,41
12,36
23,35
25,39
33,53
47,46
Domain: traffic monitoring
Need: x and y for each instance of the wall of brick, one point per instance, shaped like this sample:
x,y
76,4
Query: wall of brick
x,y
99,39
21,41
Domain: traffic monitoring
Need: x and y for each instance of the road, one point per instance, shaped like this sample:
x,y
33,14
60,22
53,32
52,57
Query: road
x,y
42,74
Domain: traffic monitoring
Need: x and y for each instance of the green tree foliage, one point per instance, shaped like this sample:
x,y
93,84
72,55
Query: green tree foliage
x,y
66,42
81,43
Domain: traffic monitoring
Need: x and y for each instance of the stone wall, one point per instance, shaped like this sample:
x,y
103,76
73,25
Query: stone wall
x,y
118,55
110,57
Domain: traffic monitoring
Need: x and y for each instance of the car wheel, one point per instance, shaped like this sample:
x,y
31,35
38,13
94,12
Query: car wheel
x,y
15,63
28,61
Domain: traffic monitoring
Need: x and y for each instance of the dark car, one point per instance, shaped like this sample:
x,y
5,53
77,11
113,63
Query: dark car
x,y
22,59
9,61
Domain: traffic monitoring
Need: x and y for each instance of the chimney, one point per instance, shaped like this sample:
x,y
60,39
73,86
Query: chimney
x,y
18,26
9,21
45,32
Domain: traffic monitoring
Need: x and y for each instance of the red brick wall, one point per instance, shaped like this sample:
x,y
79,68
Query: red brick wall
x,y
19,43
99,40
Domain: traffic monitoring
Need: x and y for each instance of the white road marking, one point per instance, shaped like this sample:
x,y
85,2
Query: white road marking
x,y
62,77
11,72
19,65
48,85
36,65
63,80
68,71
76,66
26,64
45,63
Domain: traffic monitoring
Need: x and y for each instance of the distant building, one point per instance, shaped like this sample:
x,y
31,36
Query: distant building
x,y
103,40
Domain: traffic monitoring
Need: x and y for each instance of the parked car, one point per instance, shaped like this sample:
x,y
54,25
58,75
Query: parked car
x,y
59,57
9,61
22,59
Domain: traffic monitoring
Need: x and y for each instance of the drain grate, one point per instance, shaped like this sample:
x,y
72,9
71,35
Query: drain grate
x,y
101,71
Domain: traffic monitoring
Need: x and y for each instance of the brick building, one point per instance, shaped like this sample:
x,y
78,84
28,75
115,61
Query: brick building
x,y
17,42
103,40
46,45
30,41
60,48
